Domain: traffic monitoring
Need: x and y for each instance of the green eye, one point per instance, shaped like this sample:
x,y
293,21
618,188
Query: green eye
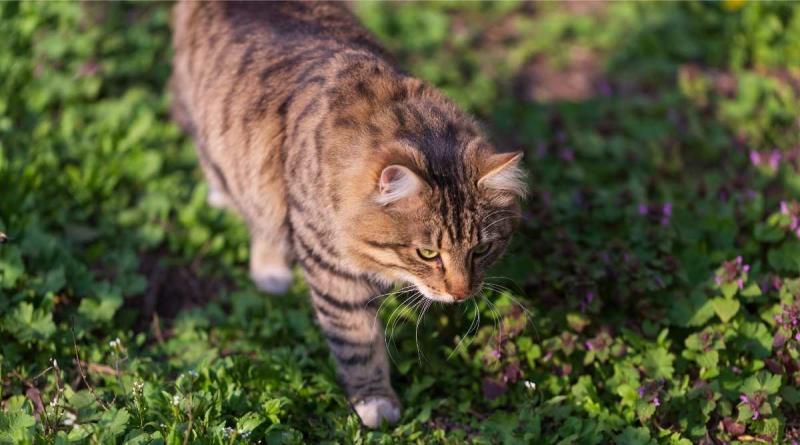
x,y
481,248
427,254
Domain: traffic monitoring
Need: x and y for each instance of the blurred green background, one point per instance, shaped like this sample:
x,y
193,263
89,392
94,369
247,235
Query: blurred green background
x,y
651,295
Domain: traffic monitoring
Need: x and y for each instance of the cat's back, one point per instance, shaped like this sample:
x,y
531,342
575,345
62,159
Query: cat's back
x,y
275,26
235,63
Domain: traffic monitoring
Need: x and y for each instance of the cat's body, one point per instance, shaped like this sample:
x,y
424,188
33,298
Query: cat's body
x,y
340,162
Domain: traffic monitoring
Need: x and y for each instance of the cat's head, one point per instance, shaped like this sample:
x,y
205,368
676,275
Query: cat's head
x,y
431,203
439,222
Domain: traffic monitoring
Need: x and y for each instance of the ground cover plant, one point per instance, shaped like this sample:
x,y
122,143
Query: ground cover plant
x,y
652,294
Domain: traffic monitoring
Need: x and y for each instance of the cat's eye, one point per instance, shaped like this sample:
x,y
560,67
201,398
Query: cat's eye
x,y
481,248
427,254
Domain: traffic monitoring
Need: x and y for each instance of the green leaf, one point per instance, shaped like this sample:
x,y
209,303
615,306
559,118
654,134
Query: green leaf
x,y
11,266
752,290
693,311
708,359
249,422
785,258
768,233
729,290
114,421
725,308
101,309
658,363
634,436
16,427
27,324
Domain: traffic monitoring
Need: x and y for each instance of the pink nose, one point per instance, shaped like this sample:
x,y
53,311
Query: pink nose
x,y
460,293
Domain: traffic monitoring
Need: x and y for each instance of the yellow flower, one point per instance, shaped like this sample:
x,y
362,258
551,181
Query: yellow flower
x,y
732,5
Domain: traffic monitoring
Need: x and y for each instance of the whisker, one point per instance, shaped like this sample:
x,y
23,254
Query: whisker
x,y
476,318
392,324
495,315
398,291
392,295
389,322
499,220
497,212
420,355
507,292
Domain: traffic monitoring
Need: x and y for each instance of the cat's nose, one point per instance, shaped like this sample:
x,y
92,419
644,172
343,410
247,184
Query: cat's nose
x,y
459,291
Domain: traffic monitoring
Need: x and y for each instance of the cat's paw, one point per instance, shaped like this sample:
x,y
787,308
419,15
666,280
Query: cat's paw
x,y
218,199
272,280
375,409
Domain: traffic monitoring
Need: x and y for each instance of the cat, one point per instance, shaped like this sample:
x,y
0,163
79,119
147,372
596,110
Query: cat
x,y
339,162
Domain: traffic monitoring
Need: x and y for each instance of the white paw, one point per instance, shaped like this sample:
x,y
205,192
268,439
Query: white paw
x,y
272,280
217,199
374,409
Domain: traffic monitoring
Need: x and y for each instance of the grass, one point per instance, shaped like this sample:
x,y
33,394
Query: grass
x,y
657,263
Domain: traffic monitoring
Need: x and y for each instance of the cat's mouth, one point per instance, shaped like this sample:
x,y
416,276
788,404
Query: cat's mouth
x,y
432,294
436,296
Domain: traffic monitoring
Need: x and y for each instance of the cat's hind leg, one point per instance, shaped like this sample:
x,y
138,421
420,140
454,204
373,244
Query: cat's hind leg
x,y
270,248
179,111
270,268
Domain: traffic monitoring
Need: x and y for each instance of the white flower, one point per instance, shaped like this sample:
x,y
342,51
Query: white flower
x,y
69,419
227,431
531,386
192,373
245,434
138,387
176,400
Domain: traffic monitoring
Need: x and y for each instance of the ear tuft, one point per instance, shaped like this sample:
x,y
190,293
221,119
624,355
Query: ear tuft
x,y
504,174
396,182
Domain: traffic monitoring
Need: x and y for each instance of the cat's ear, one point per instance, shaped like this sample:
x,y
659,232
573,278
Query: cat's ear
x,y
396,184
502,173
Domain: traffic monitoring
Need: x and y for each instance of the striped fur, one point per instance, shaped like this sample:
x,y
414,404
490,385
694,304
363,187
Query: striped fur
x,y
296,111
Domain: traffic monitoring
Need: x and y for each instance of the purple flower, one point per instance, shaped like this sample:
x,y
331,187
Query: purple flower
x,y
754,403
666,213
643,209
587,300
792,210
640,391
541,150
567,154
605,89
774,159
734,271
755,157
655,401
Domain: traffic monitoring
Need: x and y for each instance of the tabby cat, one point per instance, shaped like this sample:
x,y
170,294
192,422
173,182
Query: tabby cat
x,y
342,163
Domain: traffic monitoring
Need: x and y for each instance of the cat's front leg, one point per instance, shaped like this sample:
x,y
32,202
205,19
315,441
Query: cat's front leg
x,y
349,322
